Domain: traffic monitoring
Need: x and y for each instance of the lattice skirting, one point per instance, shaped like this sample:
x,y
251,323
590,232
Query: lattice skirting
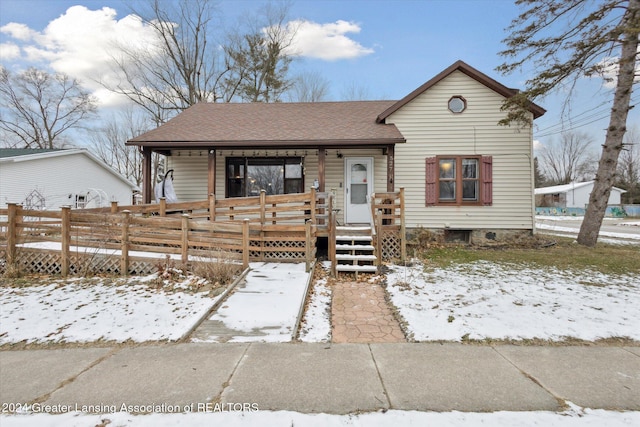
x,y
391,246
44,262
281,250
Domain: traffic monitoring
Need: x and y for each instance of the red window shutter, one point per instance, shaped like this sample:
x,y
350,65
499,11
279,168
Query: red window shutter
x,y
432,177
487,180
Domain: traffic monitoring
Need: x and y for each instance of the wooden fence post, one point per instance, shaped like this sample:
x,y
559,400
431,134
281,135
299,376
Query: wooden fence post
x,y
124,244
65,222
312,205
307,243
185,238
12,235
114,206
403,230
212,207
263,200
245,243
163,206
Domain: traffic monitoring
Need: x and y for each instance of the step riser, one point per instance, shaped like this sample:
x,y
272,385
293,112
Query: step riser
x,y
358,254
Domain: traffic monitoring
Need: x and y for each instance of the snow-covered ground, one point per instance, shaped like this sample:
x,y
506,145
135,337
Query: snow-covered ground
x,y
87,310
316,324
574,416
503,301
612,231
477,300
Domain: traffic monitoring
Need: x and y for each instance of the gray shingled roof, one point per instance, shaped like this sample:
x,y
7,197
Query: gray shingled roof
x,y
16,152
289,124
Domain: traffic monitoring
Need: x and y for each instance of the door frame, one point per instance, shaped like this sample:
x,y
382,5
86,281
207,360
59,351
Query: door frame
x,y
347,185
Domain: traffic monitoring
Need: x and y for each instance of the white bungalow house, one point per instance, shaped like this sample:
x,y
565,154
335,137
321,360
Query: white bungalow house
x,y
461,171
49,179
572,195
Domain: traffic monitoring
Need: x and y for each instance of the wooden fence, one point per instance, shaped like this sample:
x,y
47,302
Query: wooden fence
x,y
387,210
126,239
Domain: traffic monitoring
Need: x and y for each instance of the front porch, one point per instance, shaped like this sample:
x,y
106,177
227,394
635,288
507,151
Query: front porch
x,y
231,174
130,239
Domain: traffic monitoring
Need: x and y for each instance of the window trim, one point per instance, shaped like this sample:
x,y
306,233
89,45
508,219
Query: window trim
x,y
485,181
464,104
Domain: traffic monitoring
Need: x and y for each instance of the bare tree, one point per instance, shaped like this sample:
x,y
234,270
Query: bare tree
x,y
539,178
108,143
179,70
567,40
356,92
309,87
568,159
37,108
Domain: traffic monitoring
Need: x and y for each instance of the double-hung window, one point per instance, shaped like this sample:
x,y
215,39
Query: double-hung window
x,y
459,180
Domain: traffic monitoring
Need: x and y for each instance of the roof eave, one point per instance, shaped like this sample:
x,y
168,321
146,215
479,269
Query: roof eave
x,y
268,143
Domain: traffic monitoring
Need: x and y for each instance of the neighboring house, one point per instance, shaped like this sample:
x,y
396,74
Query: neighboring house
x,y
49,179
461,171
573,195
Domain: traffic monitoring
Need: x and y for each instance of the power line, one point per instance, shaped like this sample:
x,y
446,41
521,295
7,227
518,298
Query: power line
x,y
584,121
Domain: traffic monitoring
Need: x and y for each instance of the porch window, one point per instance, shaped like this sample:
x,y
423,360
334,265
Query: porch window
x,y
276,175
459,180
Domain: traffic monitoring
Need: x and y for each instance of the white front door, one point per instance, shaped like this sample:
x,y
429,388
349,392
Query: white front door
x,y
358,188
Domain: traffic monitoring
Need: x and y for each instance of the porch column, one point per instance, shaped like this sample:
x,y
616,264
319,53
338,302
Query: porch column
x,y
391,167
146,175
321,174
211,179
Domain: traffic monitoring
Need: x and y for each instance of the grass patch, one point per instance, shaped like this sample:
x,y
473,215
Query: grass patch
x,y
564,254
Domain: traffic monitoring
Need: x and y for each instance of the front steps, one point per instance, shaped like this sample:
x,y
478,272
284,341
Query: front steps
x,y
355,252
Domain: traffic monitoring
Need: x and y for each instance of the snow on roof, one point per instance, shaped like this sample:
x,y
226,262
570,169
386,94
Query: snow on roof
x,y
564,188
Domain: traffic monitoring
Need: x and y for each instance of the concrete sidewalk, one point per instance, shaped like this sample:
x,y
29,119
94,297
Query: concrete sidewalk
x,y
328,378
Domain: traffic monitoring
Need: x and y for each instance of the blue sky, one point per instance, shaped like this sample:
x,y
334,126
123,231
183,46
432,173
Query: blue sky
x,y
386,48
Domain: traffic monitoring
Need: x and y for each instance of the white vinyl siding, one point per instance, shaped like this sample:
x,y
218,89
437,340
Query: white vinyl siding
x,y
190,174
431,129
59,179
191,171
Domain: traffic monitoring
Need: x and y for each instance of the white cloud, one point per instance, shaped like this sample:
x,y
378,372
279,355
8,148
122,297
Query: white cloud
x,y
78,43
326,41
9,51
609,70
18,31
537,145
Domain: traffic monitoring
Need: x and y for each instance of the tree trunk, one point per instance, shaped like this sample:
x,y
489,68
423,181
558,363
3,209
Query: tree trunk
x,y
607,166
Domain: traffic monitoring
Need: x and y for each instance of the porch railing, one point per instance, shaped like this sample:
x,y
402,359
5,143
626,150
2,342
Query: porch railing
x,y
276,228
387,210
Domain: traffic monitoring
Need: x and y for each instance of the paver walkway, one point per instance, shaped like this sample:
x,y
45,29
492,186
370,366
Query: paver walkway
x,y
360,314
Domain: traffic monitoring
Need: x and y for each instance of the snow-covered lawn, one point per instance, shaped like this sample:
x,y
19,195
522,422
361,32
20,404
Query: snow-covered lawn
x,y
317,325
613,230
474,301
87,310
502,301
